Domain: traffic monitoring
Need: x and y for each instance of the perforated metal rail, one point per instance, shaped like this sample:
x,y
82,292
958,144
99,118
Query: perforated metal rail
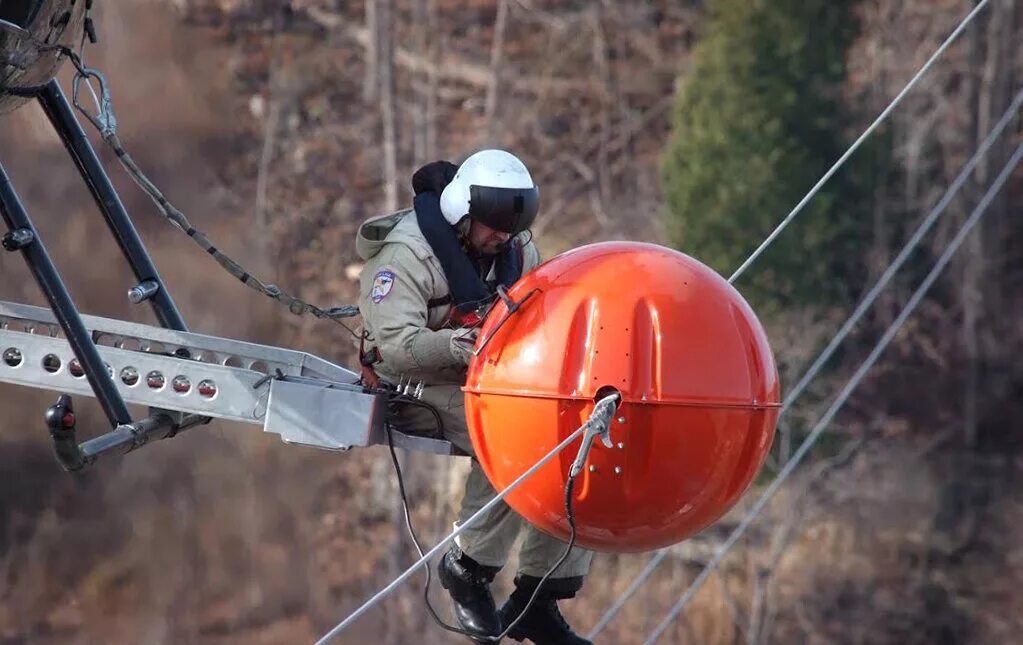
x,y
303,398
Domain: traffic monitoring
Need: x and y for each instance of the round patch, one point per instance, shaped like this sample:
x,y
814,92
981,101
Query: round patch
x,y
382,283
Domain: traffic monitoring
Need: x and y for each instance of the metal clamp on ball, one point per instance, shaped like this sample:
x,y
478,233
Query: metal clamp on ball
x,y
599,424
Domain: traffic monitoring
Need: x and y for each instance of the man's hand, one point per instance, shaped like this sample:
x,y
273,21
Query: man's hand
x,y
462,342
433,177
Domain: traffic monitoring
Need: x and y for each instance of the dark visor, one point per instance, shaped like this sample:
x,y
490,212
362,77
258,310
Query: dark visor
x,y
509,210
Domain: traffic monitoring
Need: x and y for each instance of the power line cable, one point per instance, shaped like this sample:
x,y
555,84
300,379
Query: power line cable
x,y
599,418
748,262
840,401
925,226
866,133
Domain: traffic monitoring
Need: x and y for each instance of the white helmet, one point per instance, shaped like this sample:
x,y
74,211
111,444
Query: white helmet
x,y
493,187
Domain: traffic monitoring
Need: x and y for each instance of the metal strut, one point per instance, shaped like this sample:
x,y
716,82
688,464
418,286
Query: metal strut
x,y
304,399
150,285
185,379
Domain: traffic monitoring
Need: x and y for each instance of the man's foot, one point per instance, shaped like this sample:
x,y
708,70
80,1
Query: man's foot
x,y
468,583
543,623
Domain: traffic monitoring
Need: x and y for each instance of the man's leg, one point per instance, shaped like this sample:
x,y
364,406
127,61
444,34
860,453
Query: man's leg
x,y
467,570
543,623
540,552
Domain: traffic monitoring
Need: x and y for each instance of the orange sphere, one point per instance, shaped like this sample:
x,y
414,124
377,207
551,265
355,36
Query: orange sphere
x,y
698,384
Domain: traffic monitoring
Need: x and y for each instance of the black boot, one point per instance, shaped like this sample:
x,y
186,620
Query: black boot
x,y
468,583
543,623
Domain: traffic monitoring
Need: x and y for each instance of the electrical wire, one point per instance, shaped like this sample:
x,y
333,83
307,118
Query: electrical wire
x,y
418,548
840,401
601,413
925,225
855,146
569,487
742,268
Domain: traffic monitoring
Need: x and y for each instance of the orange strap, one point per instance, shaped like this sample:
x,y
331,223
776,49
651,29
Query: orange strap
x,y
366,361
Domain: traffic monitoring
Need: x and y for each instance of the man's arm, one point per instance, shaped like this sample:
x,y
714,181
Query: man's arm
x,y
395,290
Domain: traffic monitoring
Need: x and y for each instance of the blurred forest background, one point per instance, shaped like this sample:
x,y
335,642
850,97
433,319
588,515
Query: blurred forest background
x,y
278,126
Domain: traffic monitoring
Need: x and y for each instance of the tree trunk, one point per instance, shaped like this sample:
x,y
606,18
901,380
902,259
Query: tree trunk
x,y
496,59
386,26
371,80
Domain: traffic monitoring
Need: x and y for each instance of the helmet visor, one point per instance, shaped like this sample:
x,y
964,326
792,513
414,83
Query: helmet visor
x,y
509,210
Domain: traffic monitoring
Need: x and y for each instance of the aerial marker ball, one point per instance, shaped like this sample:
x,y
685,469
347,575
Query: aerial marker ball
x,y
698,384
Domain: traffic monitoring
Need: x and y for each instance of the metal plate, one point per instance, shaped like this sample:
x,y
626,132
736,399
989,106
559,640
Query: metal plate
x,y
236,397
322,416
210,349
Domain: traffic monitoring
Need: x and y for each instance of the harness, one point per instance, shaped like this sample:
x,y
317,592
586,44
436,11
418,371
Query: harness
x,y
469,293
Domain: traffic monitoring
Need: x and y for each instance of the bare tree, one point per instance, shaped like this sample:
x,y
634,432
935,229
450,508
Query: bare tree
x,y
371,79
496,59
387,28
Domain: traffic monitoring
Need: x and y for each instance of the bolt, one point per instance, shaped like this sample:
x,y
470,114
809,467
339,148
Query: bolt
x,y
143,291
621,445
593,468
621,419
18,239
618,470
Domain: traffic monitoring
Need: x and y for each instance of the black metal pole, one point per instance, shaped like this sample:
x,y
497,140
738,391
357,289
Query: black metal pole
x,y
57,108
24,237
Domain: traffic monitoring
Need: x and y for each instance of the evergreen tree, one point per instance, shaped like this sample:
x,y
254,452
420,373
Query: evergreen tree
x,y
757,121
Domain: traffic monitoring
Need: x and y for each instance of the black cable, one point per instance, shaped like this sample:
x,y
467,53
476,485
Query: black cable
x,y
569,486
405,399
415,538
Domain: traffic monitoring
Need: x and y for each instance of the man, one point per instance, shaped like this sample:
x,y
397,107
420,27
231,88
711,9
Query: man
x,y
429,273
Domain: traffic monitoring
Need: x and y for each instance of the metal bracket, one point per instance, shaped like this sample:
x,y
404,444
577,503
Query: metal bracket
x,y
598,425
18,239
513,308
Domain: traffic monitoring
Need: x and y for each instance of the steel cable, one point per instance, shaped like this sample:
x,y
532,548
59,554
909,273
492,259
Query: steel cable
x,y
924,227
840,401
856,144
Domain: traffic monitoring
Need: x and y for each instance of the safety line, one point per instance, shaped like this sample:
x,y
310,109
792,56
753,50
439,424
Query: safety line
x,y
811,439
598,410
848,153
925,226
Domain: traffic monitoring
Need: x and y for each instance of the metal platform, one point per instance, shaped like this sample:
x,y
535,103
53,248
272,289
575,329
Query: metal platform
x,y
184,379
303,398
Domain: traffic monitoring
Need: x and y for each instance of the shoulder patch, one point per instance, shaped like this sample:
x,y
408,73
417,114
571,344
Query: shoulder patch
x,y
382,283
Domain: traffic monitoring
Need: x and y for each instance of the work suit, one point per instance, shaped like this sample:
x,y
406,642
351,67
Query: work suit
x,y
404,298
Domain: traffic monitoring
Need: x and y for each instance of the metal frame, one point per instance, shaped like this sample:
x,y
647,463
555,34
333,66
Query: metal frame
x,y
303,398
24,237
184,378
59,111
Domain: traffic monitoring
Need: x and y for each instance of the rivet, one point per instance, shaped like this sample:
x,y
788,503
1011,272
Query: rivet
x,y
593,468
621,419
621,445
618,470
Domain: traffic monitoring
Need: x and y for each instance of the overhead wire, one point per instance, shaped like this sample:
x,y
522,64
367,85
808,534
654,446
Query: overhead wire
x,y
748,262
866,133
840,401
900,259
569,514
601,414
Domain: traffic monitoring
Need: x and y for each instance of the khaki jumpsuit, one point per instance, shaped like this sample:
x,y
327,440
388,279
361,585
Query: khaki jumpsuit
x,y
402,275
